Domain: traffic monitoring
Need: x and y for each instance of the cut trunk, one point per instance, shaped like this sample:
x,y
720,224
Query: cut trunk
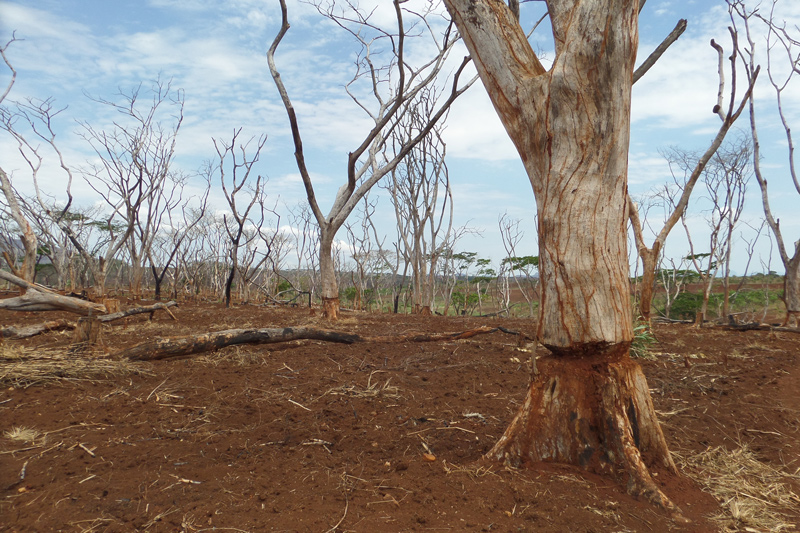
x,y
791,291
589,404
595,412
329,285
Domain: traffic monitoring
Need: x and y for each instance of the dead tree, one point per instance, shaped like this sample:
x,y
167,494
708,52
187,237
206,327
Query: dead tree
x,y
134,177
588,403
395,87
782,47
237,168
423,202
650,255
38,298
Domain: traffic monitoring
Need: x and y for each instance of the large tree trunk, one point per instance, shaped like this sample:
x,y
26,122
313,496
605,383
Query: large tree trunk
x,y
791,289
330,287
589,403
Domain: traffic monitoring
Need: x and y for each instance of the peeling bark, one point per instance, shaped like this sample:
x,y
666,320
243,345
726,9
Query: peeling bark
x,y
594,412
589,405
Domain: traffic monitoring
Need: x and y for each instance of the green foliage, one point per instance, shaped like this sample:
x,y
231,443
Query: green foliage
x,y
284,286
462,303
687,304
522,263
643,339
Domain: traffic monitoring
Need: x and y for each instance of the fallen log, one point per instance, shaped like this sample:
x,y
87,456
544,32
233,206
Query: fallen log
x,y
12,332
166,348
177,347
39,298
24,332
138,310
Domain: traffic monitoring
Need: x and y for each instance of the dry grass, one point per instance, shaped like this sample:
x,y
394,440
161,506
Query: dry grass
x,y
23,367
23,434
372,390
754,496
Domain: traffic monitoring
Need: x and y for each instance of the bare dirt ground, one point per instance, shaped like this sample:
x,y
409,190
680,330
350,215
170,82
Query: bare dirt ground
x,y
312,436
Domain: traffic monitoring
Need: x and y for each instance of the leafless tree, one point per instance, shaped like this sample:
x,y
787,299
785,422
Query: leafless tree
x,y
782,47
725,180
587,399
517,266
395,87
650,255
236,168
161,258
133,174
422,200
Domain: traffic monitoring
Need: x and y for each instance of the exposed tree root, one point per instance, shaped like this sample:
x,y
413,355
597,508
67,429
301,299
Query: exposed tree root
x,y
594,412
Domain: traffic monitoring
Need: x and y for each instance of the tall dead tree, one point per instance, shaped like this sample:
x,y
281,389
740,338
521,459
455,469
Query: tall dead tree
x,y
27,236
783,68
394,87
134,175
588,403
238,172
650,255
423,203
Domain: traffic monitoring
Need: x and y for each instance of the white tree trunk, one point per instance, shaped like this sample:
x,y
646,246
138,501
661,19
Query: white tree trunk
x,y
329,286
571,126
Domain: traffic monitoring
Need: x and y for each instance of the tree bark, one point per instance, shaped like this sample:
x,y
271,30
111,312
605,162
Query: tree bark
x,y
571,126
27,236
791,288
167,348
38,298
329,285
12,332
139,310
88,332
178,347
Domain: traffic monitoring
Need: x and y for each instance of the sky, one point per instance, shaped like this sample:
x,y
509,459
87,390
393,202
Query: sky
x,y
75,51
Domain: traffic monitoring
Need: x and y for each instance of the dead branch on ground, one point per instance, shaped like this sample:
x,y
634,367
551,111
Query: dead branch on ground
x,y
23,332
166,348
38,298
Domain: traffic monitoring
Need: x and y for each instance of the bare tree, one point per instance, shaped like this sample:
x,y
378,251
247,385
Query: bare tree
x,y
395,87
133,175
422,200
511,234
161,260
588,402
238,174
783,67
650,255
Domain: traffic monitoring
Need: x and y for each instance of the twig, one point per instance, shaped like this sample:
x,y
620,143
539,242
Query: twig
x,y
300,405
346,506
87,450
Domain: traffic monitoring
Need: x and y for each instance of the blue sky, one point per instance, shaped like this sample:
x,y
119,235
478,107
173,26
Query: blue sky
x,y
215,51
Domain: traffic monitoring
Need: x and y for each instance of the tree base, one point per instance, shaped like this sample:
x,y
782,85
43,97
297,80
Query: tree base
x,y
330,308
593,411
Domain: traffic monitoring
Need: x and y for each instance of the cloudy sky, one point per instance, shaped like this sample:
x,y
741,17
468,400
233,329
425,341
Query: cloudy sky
x,y
76,50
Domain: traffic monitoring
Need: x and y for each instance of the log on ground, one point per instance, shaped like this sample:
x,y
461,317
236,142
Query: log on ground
x,y
12,332
177,347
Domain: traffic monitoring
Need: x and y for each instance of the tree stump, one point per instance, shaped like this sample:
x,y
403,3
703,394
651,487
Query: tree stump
x,y
594,412
88,334
112,305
